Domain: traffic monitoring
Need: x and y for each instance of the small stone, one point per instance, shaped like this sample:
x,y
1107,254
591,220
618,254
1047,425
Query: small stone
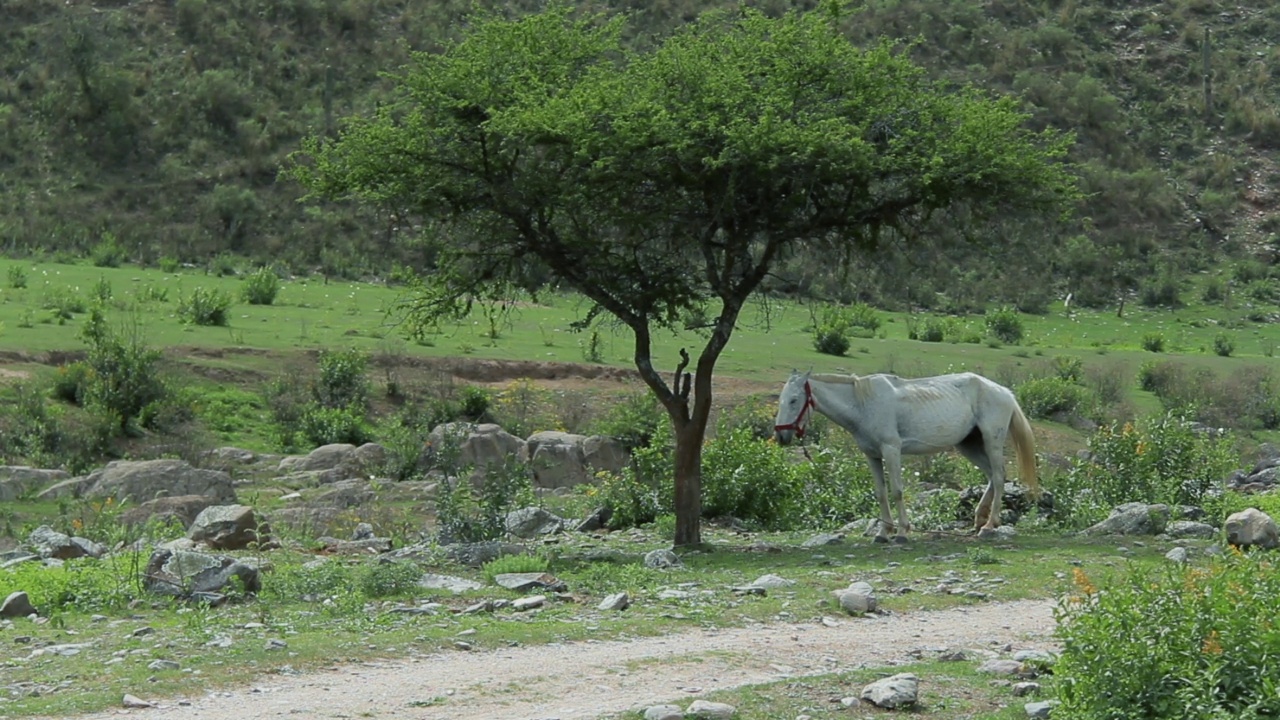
x,y
707,710
131,701
892,692
1039,709
850,702
663,712
161,665
528,603
142,632
1177,555
658,559
772,582
616,601
1024,689
276,644
1002,667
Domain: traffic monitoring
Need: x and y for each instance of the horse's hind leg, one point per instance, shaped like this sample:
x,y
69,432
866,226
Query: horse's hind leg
x,y
882,497
993,446
893,465
973,448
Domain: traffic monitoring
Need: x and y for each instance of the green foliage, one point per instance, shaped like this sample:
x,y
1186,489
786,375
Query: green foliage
x,y
634,420
108,252
1005,325
388,579
17,277
261,287
343,380
322,425
1048,396
515,564
70,381
831,341
467,514
1248,398
1158,460
1223,346
1153,342
1069,368
123,378
205,307
1217,652
1164,290
84,585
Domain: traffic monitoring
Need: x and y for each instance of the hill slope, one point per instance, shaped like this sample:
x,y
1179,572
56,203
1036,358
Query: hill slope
x,y
160,126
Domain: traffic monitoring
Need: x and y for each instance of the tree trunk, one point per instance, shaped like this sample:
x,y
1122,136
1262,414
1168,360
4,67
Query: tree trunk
x,y
688,482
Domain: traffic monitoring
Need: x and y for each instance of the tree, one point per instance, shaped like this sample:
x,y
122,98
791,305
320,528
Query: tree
x,y
662,182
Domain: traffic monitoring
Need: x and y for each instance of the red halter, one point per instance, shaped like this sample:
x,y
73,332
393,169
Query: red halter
x,y
798,424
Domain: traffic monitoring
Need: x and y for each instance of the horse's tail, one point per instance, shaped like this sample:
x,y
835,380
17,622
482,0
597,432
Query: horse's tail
x,y
1024,444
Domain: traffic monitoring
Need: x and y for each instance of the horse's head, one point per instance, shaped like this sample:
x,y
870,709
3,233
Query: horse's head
x,y
794,404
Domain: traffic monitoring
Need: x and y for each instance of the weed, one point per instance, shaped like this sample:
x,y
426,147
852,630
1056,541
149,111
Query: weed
x,y
205,307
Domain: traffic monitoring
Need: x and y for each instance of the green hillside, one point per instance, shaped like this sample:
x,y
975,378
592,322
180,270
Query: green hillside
x,y
160,128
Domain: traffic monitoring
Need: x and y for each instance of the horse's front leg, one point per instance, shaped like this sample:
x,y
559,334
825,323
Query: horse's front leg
x,y
882,497
893,468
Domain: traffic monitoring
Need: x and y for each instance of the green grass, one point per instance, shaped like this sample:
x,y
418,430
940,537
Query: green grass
x,y
355,628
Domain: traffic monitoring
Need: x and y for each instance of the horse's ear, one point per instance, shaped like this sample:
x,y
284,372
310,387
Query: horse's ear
x,y
808,372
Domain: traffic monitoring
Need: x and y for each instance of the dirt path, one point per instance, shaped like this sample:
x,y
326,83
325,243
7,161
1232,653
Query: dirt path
x,y
590,679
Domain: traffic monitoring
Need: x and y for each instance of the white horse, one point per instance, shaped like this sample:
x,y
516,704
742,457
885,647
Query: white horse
x,y
889,417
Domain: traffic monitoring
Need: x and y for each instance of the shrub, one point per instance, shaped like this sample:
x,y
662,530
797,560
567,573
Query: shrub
x,y
17,277
1172,641
204,307
1214,291
343,380
1222,345
124,375
70,381
515,564
1049,396
634,421
1005,325
473,405
260,287
748,479
831,341
1068,367
465,514
320,425
386,579
1162,291
108,252
1159,460
1153,342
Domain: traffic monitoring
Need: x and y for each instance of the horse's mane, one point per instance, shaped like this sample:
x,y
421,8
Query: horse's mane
x,y
836,379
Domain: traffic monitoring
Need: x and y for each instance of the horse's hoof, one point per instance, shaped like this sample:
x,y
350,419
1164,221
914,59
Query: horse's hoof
x,y
900,540
986,532
881,539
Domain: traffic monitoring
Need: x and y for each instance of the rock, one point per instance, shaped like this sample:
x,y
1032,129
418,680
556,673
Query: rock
x,y
662,559
142,480
362,531
616,601
557,459
226,527
18,604
601,452
162,665
368,546
1003,667
335,456
1252,528
50,543
1190,529
1177,555
597,520
900,690
1041,709
135,703
432,581
523,582
663,712
857,599
185,574
772,582
346,493
822,539
481,446
707,710
1016,502
531,522
179,509
1133,519
477,554
1024,689
19,481
528,603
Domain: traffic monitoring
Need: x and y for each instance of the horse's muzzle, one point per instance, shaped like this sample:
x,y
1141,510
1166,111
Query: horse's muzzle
x,y
784,437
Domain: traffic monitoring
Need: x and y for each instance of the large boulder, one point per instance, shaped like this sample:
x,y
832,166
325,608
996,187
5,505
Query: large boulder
x,y
226,527
561,459
183,573
50,543
141,480
179,509
20,481
353,492
478,446
333,463
1133,519
1252,528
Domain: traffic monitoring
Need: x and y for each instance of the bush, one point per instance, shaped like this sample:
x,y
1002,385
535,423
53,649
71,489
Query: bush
x,y
1005,325
634,421
465,514
123,375
1159,460
204,307
387,579
831,341
320,425
70,381
1222,345
515,564
1068,367
17,277
261,287
1161,291
1049,396
1153,342
1172,642
108,252
343,380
